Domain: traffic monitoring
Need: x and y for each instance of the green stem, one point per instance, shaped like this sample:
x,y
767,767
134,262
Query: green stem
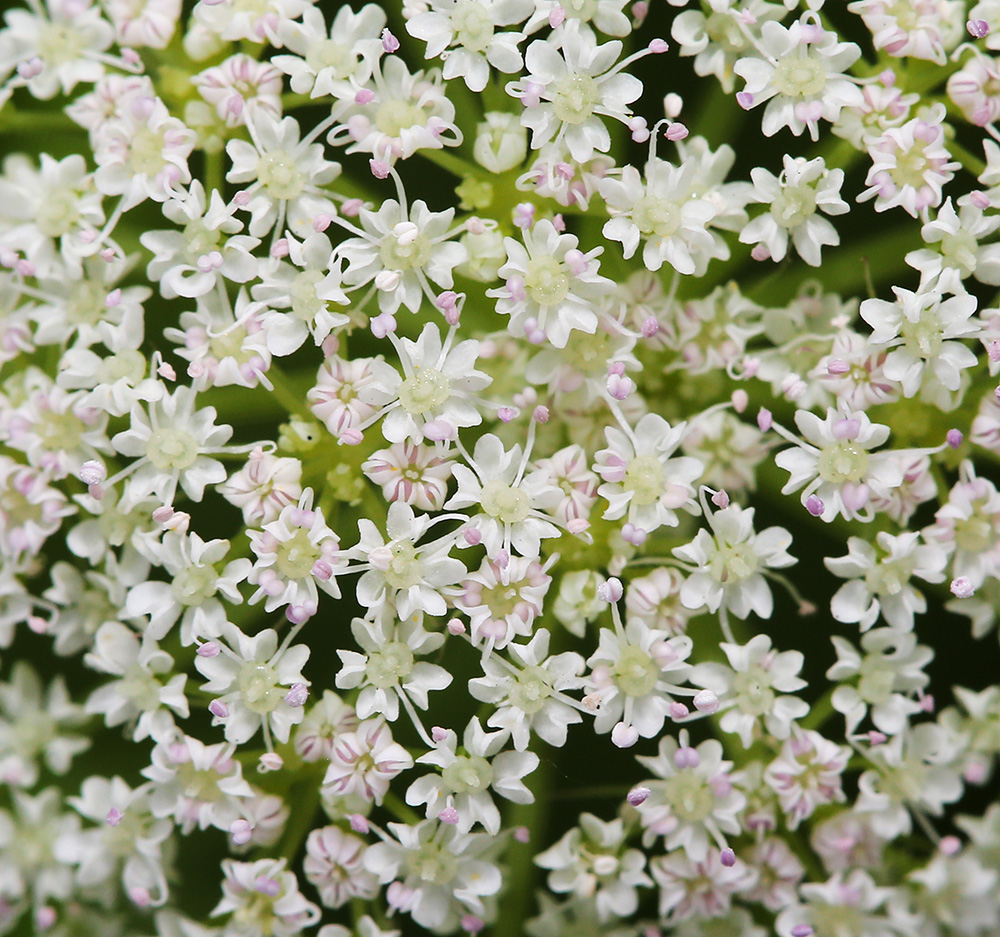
x,y
453,164
521,872
304,800
286,394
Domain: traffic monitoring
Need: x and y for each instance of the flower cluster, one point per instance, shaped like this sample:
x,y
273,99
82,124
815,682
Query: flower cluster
x,y
656,468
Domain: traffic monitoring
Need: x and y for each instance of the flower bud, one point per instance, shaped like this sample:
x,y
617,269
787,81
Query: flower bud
x,y
501,142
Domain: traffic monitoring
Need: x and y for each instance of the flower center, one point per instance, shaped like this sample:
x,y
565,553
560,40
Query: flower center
x,y
256,683
60,431
531,689
878,678
58,43
689,797
656,215
297,555
431,863
468,774
753,690
332,55
305,303
733,562
407,254
426,389
644,478
141,688
922,338
575,98
387,666
546,281
473,25
200,238
145,154
799,76
911,167
635,671
58,213
87,304
580,9
128,365
280,175
170,449
794,205
507,504
394,116
844,462
405,569
974,534
194,584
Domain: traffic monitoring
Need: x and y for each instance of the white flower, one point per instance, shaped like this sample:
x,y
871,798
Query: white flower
x,y
388,670
804,188
591,861
633,673
835,467
364,761
264,486
807,774
920,329
414,474
528,693
749,688
914,769
729,563
140,695
334,865
552,287
183,261
463,33
693,799
510,499
287,176
501,142
467,776
660,208
408,577
439,384
640,477
173,445
250,678
400,248
334,62
264,899
879,579
891,670
503,602
801,78
567,91
444,873
295,558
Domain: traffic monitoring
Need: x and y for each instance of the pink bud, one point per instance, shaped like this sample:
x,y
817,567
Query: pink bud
x,y
471,924
837,366
637,796
950,845
676,131
650,327
962,587
610,591
472,536
241,832
455,627
218,709
209,649
978,29
297,695
506,414
92,472
540,414
351,437
522,834
721,499
876,738
114,816
359,823
954,438
364,96
706,701
744,99
270,761
679,711
557,16
389,42
321,222
727,857
740,400
658,46
764,419
801,930
815,505
624,736
449,815
379,168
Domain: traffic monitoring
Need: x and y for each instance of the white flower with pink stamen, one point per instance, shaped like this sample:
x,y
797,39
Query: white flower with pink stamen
x,y
296,555
807,774
412,473
552,287
264,899
335,398
364,761
241,87
502,603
